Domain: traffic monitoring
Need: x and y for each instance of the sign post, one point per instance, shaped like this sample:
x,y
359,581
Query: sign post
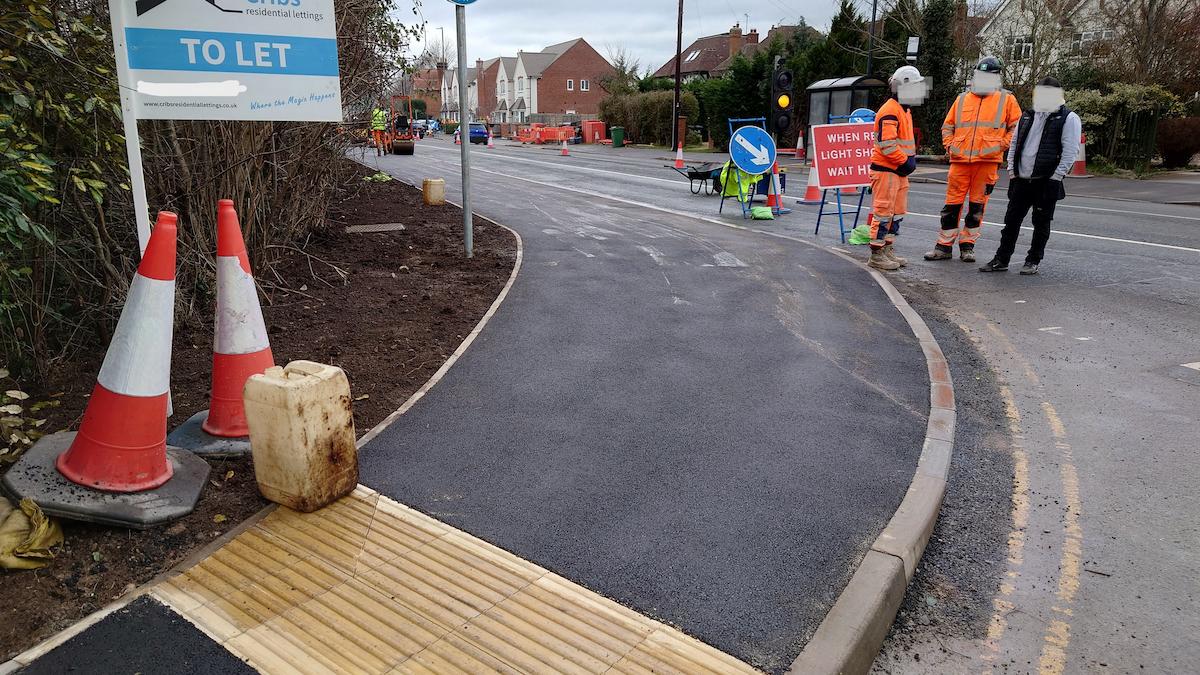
x,y
460,22
752,150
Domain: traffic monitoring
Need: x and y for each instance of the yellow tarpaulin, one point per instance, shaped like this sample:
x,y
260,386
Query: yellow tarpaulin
x,y
26,536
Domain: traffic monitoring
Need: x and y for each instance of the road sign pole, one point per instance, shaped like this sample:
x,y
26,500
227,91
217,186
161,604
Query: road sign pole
x,y
133,142
460,21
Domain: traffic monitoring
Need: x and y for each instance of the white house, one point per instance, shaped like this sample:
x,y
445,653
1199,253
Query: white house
x,y
1033,37
505,89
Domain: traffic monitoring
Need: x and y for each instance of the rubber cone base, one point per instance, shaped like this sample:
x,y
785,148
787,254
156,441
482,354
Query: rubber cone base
x,y
191,436
35,476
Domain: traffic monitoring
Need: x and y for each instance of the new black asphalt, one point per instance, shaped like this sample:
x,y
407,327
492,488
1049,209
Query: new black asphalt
x,y
143,637
707,425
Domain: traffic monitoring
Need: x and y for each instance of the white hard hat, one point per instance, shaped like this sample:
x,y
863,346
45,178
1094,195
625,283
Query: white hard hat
x,y
905,75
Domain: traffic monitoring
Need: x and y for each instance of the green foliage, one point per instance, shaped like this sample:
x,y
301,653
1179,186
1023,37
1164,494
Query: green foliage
x,y
651,83
450,127
647,117
936,61
61,163
419,107
1120,124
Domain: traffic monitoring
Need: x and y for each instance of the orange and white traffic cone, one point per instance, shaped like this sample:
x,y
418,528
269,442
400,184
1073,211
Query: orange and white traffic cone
x,y
812,194
490,145
122,441
241,348
457,137
1079,168
772,181
801,153
565,152
679,156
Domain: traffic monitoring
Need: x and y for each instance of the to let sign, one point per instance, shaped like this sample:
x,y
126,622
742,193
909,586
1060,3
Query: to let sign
x,y
842,154
269,60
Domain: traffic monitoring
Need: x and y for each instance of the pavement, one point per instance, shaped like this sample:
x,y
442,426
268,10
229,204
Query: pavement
x,y
698,428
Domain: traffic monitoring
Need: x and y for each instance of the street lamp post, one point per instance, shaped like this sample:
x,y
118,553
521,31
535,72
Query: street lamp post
x,y
678,60
871,36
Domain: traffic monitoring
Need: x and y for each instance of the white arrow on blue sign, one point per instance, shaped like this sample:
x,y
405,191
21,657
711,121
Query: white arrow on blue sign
x,y
752,150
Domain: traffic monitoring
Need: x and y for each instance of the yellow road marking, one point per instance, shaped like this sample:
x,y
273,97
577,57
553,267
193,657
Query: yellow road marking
x,y
1057,636
370,585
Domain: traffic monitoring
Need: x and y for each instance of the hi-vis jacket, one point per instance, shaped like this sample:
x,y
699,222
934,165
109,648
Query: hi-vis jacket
x,y
378,119
894,140
980,128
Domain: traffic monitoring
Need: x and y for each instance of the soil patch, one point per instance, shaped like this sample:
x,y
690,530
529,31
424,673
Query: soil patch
x,y
388,308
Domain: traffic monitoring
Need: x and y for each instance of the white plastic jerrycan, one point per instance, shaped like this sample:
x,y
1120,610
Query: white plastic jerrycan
x,y
302,434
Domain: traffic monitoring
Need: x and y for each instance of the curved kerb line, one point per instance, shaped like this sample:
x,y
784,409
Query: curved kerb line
x,y
852,632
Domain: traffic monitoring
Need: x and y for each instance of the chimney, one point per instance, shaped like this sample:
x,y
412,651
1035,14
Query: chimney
x,y
735,39
752,37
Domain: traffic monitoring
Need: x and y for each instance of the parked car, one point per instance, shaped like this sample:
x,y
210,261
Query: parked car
x,y
479,132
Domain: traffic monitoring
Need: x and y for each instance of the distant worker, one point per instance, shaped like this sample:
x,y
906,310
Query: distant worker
x,y
1047,142
976,133
378,126
892,160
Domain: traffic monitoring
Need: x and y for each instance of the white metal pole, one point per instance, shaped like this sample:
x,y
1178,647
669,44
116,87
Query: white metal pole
x,y
133,142
460,20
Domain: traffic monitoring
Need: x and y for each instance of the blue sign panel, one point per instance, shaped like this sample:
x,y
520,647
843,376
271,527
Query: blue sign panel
x,y
160,49
861,115
752,150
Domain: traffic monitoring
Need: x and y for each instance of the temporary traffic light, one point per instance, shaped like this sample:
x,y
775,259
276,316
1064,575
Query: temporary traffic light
x,y
781,101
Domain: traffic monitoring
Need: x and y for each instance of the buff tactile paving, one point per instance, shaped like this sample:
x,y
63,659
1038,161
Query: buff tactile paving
x,y
368,585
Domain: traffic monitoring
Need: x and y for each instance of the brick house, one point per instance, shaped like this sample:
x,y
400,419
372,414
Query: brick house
x,y
427,86
702,58
483,89
561,79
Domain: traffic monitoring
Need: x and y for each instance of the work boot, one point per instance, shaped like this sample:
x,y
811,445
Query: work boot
x,y
881,262
966,255
889,252
938,253
1029,268
994,266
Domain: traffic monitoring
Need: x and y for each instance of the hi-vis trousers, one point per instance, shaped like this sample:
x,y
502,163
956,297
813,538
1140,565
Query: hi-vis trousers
x,y
890,202
973,183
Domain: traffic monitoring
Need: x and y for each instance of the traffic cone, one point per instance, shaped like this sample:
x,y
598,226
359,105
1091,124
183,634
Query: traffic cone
x,y
240,348
457,137
122,441
1079,168
679,156
490,145
772,181
565,152
812,194
801,153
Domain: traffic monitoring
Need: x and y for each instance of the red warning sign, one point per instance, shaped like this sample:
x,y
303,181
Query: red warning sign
x,y
842,154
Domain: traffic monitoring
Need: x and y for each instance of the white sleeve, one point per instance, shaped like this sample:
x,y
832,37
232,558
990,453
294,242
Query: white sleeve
x,y
1071,135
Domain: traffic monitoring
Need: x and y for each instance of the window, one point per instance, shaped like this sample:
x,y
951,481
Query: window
x,y
695,54
570,85
1018,47
1084,43
520,84
501,86
584,85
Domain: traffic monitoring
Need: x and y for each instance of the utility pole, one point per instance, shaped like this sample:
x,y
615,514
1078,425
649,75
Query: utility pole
x,y
871,36
678,60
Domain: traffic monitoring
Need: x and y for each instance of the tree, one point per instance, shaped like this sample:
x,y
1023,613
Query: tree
x,y
844,51
1029,38
623,80
936,61
1159,43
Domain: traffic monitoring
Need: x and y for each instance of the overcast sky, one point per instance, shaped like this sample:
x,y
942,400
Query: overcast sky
x,y
645,28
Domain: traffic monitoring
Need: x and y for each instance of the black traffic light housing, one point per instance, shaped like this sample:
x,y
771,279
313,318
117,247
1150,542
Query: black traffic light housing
x,y
781,101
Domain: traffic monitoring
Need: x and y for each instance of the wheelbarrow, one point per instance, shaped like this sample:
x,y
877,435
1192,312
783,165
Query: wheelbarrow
x,y
700,175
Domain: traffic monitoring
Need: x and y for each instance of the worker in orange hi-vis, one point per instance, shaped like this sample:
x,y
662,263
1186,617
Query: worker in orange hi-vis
x,y
378,127
977,132
893,158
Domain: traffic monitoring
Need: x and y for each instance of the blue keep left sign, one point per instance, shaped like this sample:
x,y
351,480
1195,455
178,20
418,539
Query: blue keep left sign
x,y
752,150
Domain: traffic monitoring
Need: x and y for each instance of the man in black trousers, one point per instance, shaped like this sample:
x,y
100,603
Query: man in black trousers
x,y
1042,152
